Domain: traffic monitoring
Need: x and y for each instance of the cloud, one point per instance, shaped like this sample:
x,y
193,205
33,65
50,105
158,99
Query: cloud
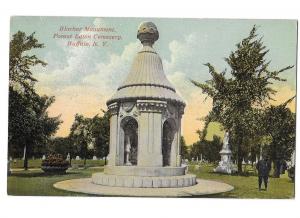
x,y
283,94
85,81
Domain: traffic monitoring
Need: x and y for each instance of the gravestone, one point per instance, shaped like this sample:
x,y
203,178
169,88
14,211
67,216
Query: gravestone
x,y
44,157
94,157
68,157
77,158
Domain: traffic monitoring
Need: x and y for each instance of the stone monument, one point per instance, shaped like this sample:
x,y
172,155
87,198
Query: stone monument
x,y
225,165
145,125
68,157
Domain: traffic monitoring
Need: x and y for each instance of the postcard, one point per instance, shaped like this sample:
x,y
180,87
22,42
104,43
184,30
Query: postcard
x,y
152,107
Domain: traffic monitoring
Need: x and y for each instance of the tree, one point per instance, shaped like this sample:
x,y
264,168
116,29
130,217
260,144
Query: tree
x,y
100,132
183,148
61,145
280,126
81,135
30,126
91,135
238,99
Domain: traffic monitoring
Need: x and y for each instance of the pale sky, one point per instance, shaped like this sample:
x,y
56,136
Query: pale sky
x,y
83,79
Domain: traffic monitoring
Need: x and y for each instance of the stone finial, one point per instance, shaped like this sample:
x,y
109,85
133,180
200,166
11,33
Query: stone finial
x,y
147,33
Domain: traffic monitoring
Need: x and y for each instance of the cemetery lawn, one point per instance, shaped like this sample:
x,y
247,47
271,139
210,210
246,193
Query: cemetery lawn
x,y
35,183
247,186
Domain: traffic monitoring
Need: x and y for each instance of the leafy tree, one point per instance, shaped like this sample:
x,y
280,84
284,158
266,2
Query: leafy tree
x,y
91,135
211,149
183,148
81,135
61,145
30,126
238,98
280,126
100,132
195,150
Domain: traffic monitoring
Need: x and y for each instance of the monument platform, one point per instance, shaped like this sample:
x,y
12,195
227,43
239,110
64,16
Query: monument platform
x,y
143,181
203,187
144,171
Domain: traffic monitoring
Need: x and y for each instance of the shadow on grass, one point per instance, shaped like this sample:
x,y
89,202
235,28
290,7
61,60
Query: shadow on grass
x,y
40,174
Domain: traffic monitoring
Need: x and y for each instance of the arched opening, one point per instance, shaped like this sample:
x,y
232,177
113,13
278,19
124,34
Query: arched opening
x,y
130,140
169,128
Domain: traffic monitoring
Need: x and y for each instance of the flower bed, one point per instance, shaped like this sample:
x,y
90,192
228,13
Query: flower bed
x,y
55,164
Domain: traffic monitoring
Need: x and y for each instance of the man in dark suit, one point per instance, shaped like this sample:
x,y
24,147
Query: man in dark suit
x,y
263,167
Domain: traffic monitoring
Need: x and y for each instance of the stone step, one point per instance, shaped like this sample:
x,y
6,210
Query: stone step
x,y
144,181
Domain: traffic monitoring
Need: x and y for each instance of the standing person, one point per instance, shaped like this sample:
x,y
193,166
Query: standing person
x,y
263,167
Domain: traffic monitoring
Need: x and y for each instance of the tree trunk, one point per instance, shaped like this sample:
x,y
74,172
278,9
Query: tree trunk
x,y
105,160
239,158
84,162
240,165
276,167
25,158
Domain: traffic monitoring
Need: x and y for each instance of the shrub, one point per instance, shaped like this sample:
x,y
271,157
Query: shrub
x,y
55,163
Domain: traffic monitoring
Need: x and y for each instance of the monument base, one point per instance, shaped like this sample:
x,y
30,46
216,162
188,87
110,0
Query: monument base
x,y
203,187
144,171
144,181
226,169
225,165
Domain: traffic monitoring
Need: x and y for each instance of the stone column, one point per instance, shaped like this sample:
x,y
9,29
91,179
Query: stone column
x,y
150,132
178,158
113,109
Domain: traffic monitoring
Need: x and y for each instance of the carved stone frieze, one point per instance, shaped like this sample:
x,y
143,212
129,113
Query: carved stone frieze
x,y
151,106
113,108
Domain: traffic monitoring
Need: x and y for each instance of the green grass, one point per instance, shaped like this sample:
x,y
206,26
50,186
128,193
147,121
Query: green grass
x,y
37,163
36,183
247,186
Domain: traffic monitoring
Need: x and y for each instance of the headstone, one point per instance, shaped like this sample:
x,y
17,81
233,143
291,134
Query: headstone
x,y
68,157
32,157
94,157
44,157
243,162
10,159
225,165
77,158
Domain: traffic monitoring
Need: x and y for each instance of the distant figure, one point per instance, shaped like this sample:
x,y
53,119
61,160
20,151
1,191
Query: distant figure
x,y
263,167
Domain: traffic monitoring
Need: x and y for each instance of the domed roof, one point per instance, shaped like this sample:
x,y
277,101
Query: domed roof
x,y
146,79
